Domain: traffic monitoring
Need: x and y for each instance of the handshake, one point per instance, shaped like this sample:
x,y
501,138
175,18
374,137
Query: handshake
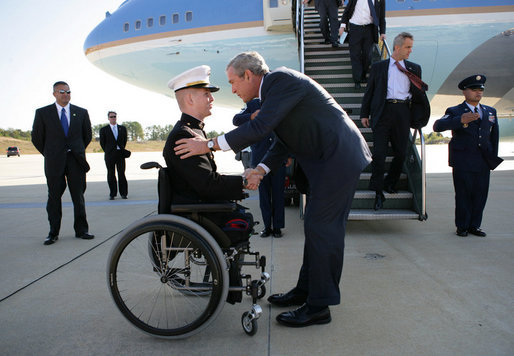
x,y
252,178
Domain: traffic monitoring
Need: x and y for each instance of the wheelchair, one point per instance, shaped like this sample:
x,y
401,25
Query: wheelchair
x,y
170,274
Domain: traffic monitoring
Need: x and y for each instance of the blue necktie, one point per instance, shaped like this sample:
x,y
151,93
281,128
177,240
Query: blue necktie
x,y
477,112
372,12
64,122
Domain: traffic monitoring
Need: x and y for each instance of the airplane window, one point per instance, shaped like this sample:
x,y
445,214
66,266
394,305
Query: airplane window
x,y
149,22
174,18
125,27
273,3
189,16
162,20
138,25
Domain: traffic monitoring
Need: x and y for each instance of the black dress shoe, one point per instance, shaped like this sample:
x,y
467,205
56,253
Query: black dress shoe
x,y
293,297
111,198
390,189
85,236
277,233
124,197
462,232
266,232
336,45
303,316
50,240
379,201
477,231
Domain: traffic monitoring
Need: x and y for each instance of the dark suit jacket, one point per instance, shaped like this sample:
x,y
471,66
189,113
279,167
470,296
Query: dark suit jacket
x,y
307,121
109,143
195,178
375,96
379,9
473,148
48,137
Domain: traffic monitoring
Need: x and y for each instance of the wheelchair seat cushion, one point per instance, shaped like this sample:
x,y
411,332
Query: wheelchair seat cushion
x,y
237,225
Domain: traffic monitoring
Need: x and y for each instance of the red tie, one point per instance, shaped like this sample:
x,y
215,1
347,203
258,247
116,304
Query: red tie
x,y
414,79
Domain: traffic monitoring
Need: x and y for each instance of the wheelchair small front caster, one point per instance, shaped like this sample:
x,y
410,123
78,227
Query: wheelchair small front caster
x,y
262,292
249,324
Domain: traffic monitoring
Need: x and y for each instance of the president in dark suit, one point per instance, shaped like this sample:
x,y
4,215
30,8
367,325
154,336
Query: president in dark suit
x,y
389,104
473,152
309,124
113,139
271,189
61,132
364,20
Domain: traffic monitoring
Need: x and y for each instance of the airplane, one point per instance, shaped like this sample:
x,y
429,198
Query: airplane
x,y
146,43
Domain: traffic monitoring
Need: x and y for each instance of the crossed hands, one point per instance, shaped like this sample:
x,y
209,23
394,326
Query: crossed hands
x,y
253,177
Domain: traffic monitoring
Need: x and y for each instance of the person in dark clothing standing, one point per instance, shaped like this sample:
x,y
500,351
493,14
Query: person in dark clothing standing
x,y
473,153
271,189
113,139
328,21
61,132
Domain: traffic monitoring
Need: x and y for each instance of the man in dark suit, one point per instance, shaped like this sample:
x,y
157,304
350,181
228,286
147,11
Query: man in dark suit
x,y
271,189
61,132
473,152
388,106
309,124
195,179
113,139
364,20
328,22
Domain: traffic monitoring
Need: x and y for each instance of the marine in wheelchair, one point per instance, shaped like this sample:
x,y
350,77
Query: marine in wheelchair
x,y
171,273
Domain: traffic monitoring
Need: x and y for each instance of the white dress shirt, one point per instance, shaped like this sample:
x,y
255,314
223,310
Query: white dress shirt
x,y
398,84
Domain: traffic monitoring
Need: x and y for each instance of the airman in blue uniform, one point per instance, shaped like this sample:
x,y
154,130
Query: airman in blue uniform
x,y
473,152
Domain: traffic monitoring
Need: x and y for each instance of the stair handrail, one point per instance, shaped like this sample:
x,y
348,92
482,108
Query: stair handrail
x,y
300,7
385,53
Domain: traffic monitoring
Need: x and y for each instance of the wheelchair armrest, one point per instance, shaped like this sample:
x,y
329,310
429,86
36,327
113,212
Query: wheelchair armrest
x,y
203,208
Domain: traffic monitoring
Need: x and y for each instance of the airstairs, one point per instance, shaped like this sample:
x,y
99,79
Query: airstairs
x,y
332,69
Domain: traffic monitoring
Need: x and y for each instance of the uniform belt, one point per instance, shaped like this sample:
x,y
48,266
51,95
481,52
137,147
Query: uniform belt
x,y
353,24
398,101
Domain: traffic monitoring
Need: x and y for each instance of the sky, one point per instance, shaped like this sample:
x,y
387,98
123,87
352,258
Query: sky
x,y
42,42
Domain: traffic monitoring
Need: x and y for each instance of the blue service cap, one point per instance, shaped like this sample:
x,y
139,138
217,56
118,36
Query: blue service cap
x,y
473,82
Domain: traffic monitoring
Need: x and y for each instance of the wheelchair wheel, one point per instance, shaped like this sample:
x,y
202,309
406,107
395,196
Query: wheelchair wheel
x,y
168,276
249,324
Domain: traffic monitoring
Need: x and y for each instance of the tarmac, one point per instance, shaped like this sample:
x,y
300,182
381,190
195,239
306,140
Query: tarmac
x,y
408,287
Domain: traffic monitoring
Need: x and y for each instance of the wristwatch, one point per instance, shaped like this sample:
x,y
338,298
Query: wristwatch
x,y
245,182
210,145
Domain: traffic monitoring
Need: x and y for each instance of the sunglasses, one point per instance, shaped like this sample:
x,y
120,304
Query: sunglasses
x,y
64,91
112,117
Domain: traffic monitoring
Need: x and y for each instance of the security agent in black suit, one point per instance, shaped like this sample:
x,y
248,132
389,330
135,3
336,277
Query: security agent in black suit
x,y
195,179
113,139
310,125
388,106
328,21
363,20
473,152
61,132
271,189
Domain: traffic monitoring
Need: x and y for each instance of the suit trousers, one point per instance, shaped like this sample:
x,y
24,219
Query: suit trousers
x,y
393,126
332,188
360,43
271,199
471,190
329,22
115,162
75,177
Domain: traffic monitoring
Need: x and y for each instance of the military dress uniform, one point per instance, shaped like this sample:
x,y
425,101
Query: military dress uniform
x,y
473,152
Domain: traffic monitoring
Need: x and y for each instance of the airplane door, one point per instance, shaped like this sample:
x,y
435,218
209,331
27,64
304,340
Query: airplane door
x,y
277,15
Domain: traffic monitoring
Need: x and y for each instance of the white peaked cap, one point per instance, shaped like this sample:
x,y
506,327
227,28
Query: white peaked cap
x,y
197,77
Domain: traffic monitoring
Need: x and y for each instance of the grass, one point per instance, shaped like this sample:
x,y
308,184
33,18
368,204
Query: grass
x,y
26,147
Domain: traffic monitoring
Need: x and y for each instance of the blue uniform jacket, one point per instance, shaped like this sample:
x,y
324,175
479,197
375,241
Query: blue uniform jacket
x,y
473,148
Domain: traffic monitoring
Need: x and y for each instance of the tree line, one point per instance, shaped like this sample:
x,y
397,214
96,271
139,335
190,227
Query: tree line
x,y
135,132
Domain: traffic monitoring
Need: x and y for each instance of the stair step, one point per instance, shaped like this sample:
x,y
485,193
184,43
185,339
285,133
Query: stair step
x,y
383,214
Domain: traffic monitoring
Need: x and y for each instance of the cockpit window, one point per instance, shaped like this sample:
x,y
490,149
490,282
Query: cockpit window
x,y
162,20
138,25
189,16
174,18
126,27
149,22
